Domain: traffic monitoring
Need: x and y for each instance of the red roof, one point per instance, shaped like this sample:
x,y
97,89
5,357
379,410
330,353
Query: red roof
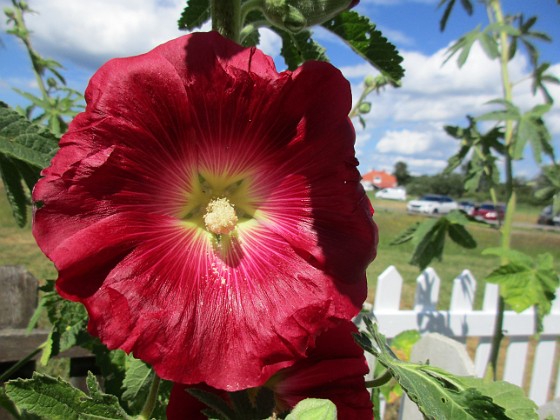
x,y
380,179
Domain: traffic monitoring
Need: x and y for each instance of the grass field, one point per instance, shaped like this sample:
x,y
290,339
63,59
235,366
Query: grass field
x,y
392,219
17,246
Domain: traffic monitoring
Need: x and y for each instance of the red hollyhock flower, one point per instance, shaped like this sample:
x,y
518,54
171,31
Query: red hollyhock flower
x,y
334,370
207,210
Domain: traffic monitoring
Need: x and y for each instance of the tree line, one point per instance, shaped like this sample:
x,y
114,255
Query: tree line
x,y
453,184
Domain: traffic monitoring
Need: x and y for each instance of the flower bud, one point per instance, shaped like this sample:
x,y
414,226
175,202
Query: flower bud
x,y
364,108
369,81
295,15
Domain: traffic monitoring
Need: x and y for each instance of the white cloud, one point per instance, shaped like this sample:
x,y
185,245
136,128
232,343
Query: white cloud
x,y
90,33
405,142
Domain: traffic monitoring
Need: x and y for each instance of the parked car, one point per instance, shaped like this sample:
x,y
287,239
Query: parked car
x,y
392,194
432,204
548,218
490,212
467,206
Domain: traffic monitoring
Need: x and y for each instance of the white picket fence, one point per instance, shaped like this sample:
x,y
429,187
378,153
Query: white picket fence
x,y
461,321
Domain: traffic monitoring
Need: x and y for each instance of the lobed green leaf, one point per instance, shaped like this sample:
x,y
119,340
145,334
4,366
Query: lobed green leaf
x,y
136,384
363,37
313,409
195,13
53,398
300,47
441,395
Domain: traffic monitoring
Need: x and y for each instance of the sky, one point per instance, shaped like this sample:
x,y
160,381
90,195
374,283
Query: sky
x,y
405,124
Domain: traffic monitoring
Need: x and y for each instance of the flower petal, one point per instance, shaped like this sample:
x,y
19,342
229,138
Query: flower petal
x,y
233,311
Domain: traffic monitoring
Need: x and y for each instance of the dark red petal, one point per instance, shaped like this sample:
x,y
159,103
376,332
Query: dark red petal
x,y
183,406
334,370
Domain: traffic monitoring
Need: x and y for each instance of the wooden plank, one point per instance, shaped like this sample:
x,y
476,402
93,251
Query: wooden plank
x,y
462,296
516,356
543,367
18,299
388,291
427,291
15,344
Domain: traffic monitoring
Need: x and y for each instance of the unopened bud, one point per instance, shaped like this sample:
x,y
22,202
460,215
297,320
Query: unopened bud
x,y
295,15
364,108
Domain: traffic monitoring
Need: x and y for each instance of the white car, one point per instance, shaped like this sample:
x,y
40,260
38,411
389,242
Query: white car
x,y
392,194
432,204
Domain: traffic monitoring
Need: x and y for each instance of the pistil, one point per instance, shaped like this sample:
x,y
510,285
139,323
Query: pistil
x,y
220,217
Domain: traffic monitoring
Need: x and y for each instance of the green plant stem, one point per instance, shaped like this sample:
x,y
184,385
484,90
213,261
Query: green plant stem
x,y
15,367
356,109
247,7
24,36
151,400
380,380
226,18
496,12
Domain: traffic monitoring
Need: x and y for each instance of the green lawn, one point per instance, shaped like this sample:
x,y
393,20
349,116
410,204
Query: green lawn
x,y
392,219
17,246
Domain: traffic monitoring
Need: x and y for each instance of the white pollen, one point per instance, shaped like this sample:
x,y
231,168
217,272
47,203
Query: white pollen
x,y
220,217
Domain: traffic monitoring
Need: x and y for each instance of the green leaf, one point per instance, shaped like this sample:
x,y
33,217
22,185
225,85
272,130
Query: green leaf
x,y
428,237
137,381
69,322
313,409
196,12
531,129
358,32
467,5
526,282
298,48
461,236
441,395
56,399
218,407
15,192
506,395
25,149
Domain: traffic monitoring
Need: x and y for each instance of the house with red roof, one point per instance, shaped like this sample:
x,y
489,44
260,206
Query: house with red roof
x,y
377,180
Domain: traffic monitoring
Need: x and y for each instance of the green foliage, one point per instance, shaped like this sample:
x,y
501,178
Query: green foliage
x,y
401,345
525,281
467,5
56,399
137,381
300,47
297,42
528,128
441,395
195,13
243,404
363,37
57,103
25,149
478,150
446,184
68,319
429,236
401,173
549,188
313,409
541,78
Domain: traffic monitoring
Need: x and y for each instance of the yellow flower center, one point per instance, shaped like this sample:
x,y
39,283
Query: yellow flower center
x,y
220,217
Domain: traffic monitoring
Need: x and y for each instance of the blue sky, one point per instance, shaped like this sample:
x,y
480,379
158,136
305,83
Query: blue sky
x,y
405,124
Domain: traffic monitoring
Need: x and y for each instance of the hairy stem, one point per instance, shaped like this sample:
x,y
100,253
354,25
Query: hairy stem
x,y
496,12
23,34
151,400
226,18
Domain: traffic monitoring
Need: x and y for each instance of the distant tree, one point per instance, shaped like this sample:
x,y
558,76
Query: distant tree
x,y
446,184
401,173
